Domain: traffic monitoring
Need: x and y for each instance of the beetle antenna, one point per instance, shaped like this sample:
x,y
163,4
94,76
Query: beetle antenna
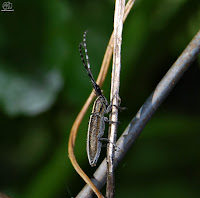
x,y
87,64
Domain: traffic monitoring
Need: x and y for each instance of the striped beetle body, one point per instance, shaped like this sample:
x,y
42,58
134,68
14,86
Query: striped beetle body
x,y
96,129
97,120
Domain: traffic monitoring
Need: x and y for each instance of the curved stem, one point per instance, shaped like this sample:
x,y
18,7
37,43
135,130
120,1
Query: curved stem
x,y
77,122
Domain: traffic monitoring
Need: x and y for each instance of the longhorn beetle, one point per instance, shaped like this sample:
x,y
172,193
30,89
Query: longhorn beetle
x,y
97,120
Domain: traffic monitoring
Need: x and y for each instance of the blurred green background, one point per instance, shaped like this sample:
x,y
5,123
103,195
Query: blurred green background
x,y
43,86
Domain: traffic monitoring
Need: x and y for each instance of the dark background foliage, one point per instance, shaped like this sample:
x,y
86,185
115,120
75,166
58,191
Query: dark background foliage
x,y
43,85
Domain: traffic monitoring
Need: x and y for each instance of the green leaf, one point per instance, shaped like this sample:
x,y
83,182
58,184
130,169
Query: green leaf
x,y
28,94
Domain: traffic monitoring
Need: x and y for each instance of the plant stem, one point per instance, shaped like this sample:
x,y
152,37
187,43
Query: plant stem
x,y
114,96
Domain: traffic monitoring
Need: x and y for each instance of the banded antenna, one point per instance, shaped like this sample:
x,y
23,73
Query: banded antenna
x,y
87,64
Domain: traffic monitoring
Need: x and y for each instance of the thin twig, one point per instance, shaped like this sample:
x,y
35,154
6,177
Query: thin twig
x,y
114,96
77,122
145,113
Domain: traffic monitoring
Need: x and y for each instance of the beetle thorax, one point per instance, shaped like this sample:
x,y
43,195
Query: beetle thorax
x,y
100,105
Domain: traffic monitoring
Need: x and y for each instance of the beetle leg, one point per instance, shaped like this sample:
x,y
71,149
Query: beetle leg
x,y
110,121
108,141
